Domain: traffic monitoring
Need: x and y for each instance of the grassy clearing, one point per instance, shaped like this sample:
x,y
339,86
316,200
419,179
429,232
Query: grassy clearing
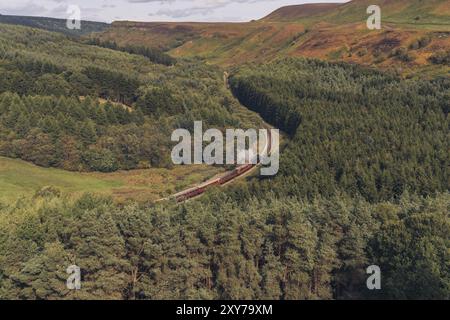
x,y
19,178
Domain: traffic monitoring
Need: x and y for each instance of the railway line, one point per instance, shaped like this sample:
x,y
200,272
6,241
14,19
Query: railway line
x,y
226,178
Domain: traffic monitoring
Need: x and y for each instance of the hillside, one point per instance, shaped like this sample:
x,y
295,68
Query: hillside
x,y
52,24
22,179
51,114
411,12
363,172
414,12
295,12
327,31
346,121
363,180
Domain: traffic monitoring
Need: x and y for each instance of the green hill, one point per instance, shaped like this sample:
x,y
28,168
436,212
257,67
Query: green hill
x,y
52,24
23,179
81,107
295,12
412,12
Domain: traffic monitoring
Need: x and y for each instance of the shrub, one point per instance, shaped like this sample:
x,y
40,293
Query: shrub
x,y
47,192
402,54
102,160
441,57
420,43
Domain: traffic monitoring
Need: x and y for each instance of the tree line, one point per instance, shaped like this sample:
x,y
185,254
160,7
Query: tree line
x,y
46,119
27,76
153,54
79,135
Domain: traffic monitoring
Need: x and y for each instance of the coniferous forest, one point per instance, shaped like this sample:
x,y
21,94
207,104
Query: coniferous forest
x,y
363,180
82,108
352,129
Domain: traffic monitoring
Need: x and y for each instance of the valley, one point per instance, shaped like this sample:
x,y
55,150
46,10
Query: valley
x,y
331,32
86,120
92,117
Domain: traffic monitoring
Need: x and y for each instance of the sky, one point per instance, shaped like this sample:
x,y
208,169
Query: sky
x,y
151,10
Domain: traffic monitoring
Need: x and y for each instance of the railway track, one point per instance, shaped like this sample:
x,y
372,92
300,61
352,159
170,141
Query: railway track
x,y
226,178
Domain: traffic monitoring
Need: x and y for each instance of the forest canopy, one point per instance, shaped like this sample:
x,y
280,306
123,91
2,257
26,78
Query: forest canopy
x,y
353,130
219,248
84,108
364,178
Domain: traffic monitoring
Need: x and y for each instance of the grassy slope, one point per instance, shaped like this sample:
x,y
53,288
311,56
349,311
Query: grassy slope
x,y
336,33
19,178
295,12
412,12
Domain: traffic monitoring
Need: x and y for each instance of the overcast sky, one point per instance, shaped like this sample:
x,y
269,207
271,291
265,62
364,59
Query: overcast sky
x,y
151,10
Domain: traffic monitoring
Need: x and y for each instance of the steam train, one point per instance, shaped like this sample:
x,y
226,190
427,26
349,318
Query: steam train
x,y
200,189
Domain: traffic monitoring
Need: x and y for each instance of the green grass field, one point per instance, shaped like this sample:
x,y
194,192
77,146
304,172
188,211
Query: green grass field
x,y
19,178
